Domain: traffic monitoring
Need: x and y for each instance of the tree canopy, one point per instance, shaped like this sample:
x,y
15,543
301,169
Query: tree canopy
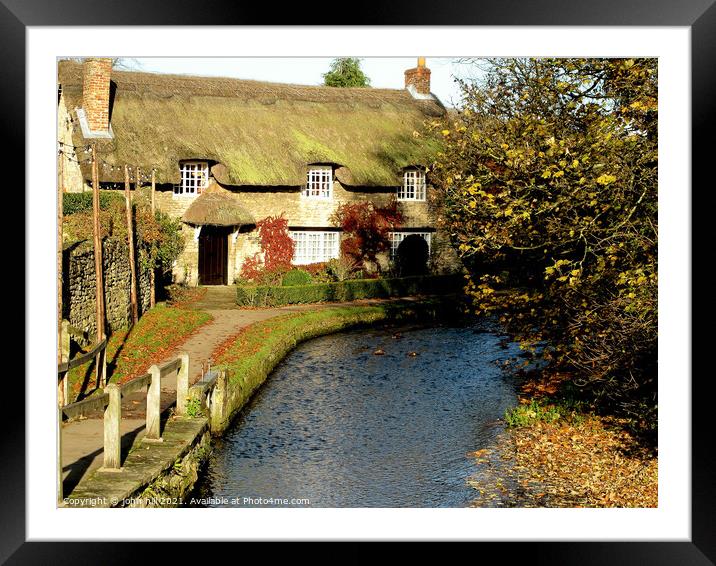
x,y
346,72
549,175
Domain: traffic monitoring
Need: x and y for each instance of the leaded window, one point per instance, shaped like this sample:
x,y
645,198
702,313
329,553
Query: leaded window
x,y
413,187
194,178
319,182
314,246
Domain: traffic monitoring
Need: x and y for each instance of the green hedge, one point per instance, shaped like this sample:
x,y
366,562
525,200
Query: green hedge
x,y
341,291
296,277
80,202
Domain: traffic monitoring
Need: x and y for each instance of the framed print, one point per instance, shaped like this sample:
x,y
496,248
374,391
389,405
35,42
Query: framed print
x,y
423,277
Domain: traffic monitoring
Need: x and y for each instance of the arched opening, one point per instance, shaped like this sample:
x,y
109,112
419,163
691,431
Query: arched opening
x,y
412,256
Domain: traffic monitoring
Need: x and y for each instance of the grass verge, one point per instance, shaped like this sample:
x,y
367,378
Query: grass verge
x,y
131,352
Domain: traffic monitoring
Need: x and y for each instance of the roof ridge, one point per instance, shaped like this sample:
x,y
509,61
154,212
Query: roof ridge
x,y
129,74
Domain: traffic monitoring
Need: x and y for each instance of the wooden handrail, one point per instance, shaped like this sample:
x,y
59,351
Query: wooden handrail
x,y
136,384
84,358
81,408
169,367
202,386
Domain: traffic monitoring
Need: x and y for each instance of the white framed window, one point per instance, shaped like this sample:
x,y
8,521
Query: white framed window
x,y
194,178
314,247
319,182
397,237
413,185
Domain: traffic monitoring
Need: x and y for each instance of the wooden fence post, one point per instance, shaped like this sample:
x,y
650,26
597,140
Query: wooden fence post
x,y
99,279
112,434
153,432
102,360
62,386
60,329
60,496
152,292
183,384
130,246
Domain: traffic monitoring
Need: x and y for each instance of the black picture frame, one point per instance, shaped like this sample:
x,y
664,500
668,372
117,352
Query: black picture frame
x,y
698,15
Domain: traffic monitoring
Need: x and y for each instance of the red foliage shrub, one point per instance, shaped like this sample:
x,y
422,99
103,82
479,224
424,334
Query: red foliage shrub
x,y
277,248
252,268
366,227
276,244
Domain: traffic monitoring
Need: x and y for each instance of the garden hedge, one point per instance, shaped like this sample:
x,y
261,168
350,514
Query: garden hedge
x,y
342,291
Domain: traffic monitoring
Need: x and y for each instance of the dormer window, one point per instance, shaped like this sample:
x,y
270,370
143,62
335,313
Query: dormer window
x,y
194,178
413,185
319,182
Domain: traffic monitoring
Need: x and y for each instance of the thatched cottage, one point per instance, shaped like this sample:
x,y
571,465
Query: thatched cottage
x,y
227,153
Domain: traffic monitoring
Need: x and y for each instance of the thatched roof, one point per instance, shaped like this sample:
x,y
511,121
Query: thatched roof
x,y
258,133
218,208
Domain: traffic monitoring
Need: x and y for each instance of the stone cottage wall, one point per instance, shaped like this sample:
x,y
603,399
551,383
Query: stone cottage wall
x,y
78,286
300,212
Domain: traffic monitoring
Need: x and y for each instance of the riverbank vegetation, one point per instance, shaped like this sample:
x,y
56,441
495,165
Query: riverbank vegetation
x,y
549,175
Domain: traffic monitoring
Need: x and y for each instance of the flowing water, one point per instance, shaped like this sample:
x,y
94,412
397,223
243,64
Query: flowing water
x,y
337,426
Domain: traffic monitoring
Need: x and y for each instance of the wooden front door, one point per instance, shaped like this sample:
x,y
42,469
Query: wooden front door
x,y
213,255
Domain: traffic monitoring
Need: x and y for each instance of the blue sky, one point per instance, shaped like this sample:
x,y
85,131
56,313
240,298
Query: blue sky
x,y
384,72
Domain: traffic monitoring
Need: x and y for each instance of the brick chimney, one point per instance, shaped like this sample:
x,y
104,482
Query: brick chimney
x,y
95,93
417,80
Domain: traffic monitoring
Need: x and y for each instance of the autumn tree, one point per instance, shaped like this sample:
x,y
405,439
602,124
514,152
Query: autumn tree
x,y
346,72
549,175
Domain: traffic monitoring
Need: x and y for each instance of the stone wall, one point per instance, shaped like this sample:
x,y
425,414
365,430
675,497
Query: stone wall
x,y
78,286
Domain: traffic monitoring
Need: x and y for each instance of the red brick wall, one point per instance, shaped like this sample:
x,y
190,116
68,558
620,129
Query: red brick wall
x,y
95,93
419,77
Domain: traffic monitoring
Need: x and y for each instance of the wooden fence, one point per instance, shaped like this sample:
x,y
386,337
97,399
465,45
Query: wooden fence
x,y
110,400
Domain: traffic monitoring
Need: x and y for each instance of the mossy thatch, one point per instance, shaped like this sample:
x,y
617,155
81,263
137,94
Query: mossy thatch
x,y
257,133
217,208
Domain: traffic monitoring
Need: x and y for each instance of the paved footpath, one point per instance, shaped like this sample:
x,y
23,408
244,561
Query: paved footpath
x,y
82,441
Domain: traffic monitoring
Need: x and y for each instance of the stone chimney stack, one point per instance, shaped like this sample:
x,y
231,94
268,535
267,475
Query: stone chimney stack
x,y
417,80
95,93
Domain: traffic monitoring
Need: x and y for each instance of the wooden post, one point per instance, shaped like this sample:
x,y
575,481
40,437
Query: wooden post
x,y
112,434
102,356
60,496
60,190
99,283
153,432
130,243
152,292
62,386
183,384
